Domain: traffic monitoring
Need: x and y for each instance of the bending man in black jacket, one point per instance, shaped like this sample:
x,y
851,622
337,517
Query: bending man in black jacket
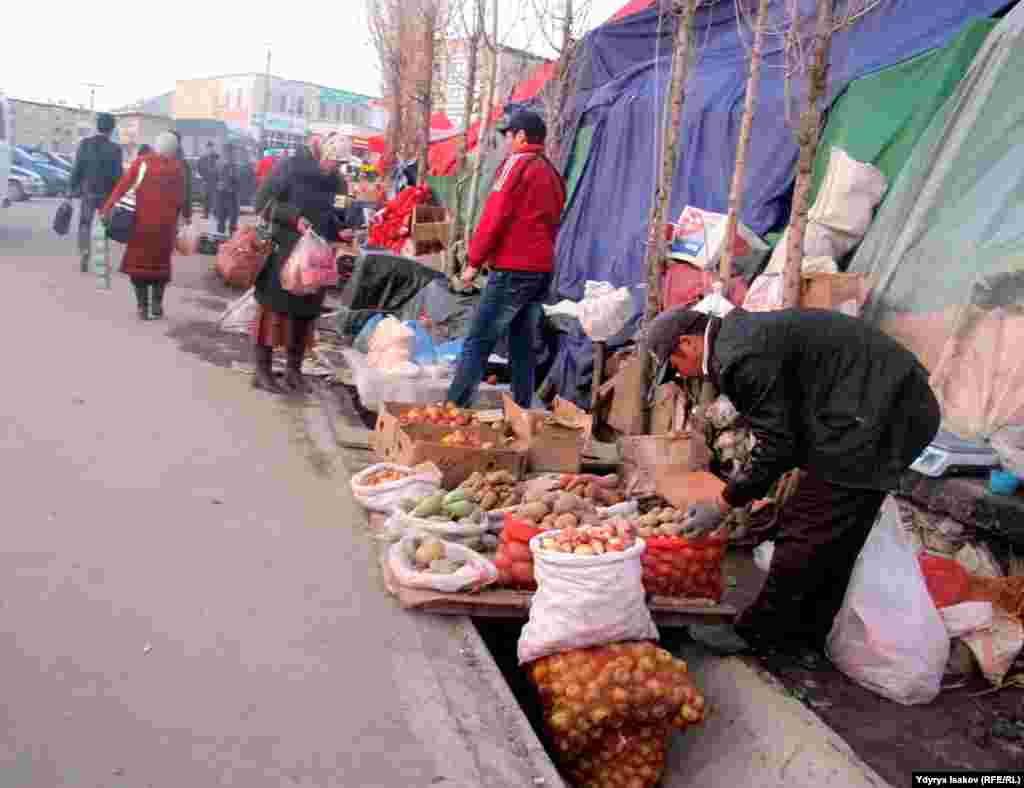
x,y
96,172
823,392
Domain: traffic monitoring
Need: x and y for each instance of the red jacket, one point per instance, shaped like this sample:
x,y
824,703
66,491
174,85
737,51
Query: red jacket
x,y
520,221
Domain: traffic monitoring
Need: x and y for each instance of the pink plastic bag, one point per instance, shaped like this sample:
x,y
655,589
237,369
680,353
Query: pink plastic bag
x,y
310,267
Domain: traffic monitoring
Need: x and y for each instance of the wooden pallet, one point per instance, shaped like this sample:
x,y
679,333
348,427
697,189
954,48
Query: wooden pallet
x,y
515,605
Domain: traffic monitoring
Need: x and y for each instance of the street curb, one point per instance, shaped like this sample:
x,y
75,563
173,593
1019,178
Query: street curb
x,y
484,714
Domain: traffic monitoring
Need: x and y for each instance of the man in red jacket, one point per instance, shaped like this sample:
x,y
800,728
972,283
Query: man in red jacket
x,y
516,238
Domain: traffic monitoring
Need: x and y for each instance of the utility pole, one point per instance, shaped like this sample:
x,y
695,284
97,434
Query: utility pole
x,y
266,102
92,94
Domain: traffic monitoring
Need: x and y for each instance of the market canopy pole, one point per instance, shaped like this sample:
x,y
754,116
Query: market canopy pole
x,y
736,192
657,245
808,135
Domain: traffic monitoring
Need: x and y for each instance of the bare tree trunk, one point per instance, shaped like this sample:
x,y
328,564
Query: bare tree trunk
x,y
474,55
807,135
656,244
557,120
485,116
429,20
736,192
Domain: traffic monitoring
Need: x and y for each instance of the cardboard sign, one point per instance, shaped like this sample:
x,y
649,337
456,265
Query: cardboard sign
x,y
699,238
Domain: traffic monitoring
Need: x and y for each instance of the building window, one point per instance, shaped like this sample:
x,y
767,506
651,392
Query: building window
x,y
239,97
283,105
337,113
300,107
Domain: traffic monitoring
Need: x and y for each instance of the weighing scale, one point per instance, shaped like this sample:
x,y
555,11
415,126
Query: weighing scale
x,y
949,455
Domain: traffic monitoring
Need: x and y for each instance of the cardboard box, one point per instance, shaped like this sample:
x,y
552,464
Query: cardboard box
x,y
411,444
626,414
669,412
699,238
554,442
641,454
845,293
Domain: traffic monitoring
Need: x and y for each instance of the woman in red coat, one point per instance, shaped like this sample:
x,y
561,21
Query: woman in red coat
x,y
159,201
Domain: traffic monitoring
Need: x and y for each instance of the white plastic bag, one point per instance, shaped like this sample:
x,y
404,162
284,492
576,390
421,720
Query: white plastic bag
x,y
604,315
385,497
1009,445
888,635
763,555
449,529
476,574
584,601
310,267
240,316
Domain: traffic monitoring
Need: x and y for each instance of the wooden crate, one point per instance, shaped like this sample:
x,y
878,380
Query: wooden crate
x,y
411,444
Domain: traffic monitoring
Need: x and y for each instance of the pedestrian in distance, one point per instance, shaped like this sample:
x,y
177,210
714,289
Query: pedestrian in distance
x,y
159,202
186,211
825,393
229,186
144,150
97,169
207,168
516,237
297,196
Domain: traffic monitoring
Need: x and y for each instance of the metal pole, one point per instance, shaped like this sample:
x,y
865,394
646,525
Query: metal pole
x,y
266,101
92,94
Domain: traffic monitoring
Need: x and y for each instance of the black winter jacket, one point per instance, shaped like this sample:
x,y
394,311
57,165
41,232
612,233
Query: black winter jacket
x,y
295,189
824,392
98,167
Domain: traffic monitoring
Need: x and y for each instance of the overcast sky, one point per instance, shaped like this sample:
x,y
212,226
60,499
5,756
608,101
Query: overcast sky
x,y
138,51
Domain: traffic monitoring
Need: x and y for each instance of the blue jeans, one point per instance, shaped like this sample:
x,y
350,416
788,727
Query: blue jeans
x,y
511,303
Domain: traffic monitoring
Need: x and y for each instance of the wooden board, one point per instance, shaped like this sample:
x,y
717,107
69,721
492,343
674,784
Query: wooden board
x,y
515,605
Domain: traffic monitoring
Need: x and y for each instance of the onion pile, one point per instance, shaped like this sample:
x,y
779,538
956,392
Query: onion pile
x,y
610,711
384,476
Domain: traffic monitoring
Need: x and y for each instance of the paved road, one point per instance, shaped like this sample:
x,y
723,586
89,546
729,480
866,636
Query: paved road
x,y
184,598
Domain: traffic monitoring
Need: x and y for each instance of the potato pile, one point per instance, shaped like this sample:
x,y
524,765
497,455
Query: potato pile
x,y
428,554
599,490
610,711
558,510
495,490
661,521
466,440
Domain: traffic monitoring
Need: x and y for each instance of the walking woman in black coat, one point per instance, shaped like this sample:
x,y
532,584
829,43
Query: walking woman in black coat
x,y
298,195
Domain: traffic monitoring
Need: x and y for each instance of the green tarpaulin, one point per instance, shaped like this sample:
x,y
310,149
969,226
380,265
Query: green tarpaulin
x,y
879,118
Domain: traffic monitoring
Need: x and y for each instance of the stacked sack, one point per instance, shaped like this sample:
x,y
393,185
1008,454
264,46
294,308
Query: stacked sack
x,y
610,711
391,347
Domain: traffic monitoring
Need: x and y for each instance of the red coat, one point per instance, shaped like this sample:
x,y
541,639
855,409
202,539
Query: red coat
x,y
159,201
520,221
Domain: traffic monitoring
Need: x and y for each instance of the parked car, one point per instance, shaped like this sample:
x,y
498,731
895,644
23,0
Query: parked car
x,y
24,184
49,159
57,182
6,145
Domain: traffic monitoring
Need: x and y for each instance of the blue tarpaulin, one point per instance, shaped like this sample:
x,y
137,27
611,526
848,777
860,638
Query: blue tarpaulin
x,y
621,85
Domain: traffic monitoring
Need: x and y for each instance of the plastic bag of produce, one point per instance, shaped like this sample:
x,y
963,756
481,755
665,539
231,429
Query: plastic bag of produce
x,y
381,487
888,636
455,530
310,267
585,601
610,711
474,573
240,317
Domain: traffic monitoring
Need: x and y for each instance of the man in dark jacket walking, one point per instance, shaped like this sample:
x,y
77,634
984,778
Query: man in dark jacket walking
x,y
822,392
207,168
98,168
516,236
228,181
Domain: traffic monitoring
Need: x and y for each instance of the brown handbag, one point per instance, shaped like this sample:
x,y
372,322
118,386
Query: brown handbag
x,y
241,258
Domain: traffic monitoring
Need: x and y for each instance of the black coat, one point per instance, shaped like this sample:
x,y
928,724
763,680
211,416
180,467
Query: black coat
x,y
98,167
295,189
824,392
